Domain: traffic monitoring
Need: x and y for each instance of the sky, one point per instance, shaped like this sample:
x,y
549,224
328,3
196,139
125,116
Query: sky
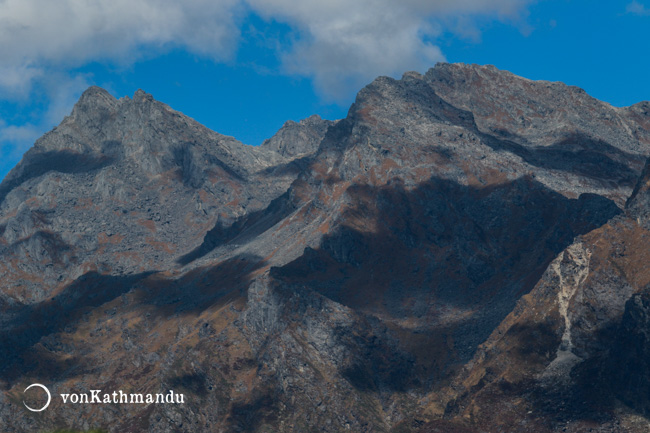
x,y
244,67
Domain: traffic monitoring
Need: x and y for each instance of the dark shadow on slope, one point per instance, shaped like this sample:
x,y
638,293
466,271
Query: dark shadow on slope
x,y
192,163
451,258
61,313
590,394
30,343
36,164
248,417
626,366
578,154
213,160
382,368
242,230
43,241
360,378
202,287
194,384
293,167
378,363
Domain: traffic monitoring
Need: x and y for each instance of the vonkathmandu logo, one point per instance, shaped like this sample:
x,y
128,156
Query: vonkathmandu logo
x,y
120,397
47,391
96,396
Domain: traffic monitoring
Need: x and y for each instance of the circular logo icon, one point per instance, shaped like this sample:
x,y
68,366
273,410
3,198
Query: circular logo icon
x,y
44,388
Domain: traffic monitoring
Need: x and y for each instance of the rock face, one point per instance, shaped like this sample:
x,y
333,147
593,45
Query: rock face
x,y
629,366
120,187
465,251
299,139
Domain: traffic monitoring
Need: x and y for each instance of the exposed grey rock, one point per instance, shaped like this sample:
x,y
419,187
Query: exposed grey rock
x,y
127,185
299,139
337,277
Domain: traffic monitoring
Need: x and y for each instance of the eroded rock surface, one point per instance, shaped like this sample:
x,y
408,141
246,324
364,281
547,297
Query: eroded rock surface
x,y
463,252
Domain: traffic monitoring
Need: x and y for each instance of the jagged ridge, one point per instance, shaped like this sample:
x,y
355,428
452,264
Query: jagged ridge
x,y
370,274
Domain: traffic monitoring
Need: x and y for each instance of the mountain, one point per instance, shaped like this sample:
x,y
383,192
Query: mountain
x,y
465,251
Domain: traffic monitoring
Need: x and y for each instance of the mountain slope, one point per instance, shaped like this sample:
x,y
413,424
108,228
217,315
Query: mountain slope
x,y
572,354
385,272
124,186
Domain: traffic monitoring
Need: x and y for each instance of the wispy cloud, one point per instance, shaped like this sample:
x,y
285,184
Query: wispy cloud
x,y
40,35
61,90
14,141
342,45
637,8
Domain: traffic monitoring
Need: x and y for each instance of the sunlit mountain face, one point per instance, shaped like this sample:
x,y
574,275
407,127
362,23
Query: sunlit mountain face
x,y
464,252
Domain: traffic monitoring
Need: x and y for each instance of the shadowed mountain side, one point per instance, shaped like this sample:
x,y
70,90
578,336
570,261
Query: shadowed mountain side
x,y
37,330
242,230
539,112
39,163
293,167
573,349
442,255
198,288
577,154
450,257
131,194
31,323
628,362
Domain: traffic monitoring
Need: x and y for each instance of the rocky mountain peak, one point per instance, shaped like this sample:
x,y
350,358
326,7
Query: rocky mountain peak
x,y
142,96
94,107
411,74
519,109
298,139
92,99
461,227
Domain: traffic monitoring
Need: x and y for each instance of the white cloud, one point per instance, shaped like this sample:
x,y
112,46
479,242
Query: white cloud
x,y
16,79
14,141
18,134
62,92
340,44
637,8
77,30
345,44
36,35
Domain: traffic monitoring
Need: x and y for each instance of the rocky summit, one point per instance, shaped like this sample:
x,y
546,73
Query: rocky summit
x,y
466,251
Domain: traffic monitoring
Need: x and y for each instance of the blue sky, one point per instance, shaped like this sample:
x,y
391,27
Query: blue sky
x,y
244,67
